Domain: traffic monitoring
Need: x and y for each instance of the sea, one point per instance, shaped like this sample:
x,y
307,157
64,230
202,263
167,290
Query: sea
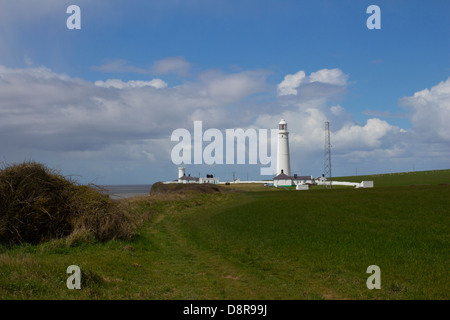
x,y
126,191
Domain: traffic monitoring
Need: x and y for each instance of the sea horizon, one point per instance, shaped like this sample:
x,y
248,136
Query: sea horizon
x,y
121,191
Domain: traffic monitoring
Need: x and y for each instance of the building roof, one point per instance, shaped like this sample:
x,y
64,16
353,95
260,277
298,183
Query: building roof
x,y
188,178
283,176
303,178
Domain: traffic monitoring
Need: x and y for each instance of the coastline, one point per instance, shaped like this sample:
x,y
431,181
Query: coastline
x,y
126,191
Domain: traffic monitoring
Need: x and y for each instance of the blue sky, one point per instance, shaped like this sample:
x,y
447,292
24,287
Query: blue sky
x,y
223,62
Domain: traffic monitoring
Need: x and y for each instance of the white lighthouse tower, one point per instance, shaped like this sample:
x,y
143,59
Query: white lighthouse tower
x,y
283,163
181,172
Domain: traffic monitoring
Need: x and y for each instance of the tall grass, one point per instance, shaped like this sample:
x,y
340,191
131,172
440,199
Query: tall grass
x,y
38,204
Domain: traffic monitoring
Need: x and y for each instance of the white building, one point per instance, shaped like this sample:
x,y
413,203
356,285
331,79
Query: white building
x,y
282,180
209,179
189,179
297,180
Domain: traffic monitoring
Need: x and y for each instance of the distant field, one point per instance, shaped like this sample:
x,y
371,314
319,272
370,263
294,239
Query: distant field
x,y
264,244
433,177
250,187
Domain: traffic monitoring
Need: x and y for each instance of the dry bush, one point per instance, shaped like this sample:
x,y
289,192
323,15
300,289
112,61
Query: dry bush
x,y
38,204
100,217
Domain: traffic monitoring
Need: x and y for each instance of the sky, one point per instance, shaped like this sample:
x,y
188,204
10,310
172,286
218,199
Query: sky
x,y
100,103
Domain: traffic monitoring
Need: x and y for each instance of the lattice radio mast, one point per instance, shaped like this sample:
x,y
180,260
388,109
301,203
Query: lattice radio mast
x,y
327,156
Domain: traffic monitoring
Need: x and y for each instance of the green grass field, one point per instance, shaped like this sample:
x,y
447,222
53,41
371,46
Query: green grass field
x,y
433,177
263,244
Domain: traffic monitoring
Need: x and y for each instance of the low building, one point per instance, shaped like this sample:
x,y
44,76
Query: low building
x,y
321,180
210,179
302,180
188,179
283,180
302,187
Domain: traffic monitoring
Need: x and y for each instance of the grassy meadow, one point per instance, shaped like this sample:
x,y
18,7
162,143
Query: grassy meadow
x,y
260,244
414,178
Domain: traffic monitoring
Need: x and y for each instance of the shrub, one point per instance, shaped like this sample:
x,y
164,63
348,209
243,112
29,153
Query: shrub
x,y
38,204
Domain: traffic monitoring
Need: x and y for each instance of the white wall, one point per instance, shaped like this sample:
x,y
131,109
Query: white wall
x,y
282,182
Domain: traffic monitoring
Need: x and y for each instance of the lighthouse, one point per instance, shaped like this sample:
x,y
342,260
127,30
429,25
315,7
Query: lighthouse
x,y
181,172
283,163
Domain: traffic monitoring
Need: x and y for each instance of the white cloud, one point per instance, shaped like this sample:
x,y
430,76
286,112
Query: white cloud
x,y
329,76
353,136
44,110
336,110
119,84
292,82
431,112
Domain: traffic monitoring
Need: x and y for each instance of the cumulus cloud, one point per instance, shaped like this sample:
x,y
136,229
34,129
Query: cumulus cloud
x,y
329,76
45,110
368,136
431,112
292,82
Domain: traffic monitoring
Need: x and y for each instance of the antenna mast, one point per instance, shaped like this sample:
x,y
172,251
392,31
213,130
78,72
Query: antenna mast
x,y
327,155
